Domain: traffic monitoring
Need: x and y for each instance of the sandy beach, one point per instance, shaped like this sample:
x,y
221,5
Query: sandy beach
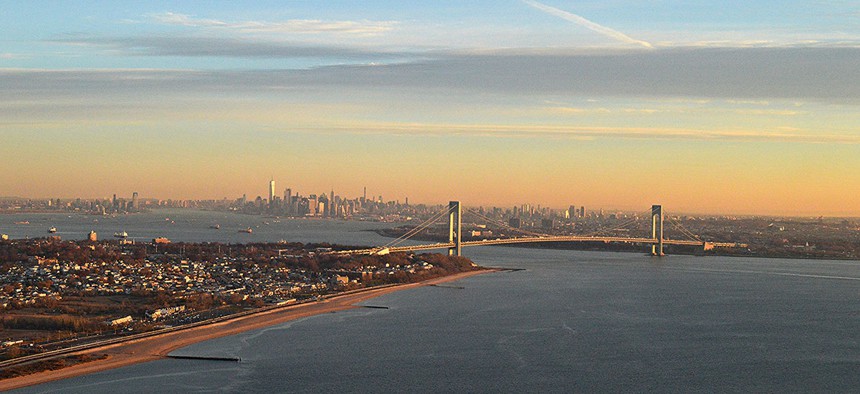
x,y
157,347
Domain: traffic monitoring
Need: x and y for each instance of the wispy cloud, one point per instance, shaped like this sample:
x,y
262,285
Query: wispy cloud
x,y
579,111
762,103
739,74
767,112
98,96
294,26
800,74
606,31
186,46
563,110
597,132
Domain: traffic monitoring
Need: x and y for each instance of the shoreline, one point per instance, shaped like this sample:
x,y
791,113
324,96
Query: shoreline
x,y
159,346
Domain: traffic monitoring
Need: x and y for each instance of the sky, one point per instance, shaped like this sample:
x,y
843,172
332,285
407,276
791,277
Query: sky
x,y
729,107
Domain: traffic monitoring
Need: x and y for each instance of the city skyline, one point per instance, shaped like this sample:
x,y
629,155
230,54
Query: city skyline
x,y
724,108
132,203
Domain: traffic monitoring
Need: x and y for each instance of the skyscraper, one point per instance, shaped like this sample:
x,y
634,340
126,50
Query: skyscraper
x,y
135,204
272,191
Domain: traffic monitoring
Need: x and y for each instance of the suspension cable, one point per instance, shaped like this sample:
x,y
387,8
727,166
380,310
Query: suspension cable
x,y
684,230
415,230
421,227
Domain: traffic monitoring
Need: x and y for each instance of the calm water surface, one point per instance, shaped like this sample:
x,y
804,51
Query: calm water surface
x,y
191,226
570,322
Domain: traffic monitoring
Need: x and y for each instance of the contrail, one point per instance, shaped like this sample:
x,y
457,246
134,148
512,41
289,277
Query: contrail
x,y
587,24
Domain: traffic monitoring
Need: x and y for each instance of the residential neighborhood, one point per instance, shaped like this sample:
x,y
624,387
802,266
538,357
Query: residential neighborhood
x,y
54,289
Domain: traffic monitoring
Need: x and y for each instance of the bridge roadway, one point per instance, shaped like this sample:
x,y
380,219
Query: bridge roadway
x,y
522,240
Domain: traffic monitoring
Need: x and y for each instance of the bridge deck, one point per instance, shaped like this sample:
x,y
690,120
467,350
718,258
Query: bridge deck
x,y
522,240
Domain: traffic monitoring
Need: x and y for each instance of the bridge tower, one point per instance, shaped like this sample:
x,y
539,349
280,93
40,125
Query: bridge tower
x,y
657,230
454,227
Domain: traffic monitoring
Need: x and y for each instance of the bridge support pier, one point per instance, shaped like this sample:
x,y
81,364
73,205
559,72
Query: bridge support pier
x,y
454,227
657,230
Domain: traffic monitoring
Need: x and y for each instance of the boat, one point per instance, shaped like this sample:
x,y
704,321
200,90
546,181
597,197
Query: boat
x,y
22,222
52,230
122,234
215,226
247,230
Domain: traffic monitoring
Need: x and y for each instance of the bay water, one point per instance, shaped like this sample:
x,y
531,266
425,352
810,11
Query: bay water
x,y
569,321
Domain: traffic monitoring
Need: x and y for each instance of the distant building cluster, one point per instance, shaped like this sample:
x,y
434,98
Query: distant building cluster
x,y
318,205
293,204
114,205
289,204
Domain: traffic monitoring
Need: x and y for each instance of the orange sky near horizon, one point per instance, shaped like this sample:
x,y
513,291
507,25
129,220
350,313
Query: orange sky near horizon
x,y
690,176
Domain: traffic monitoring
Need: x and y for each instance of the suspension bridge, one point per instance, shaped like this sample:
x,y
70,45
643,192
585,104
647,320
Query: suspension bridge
x,y
454,213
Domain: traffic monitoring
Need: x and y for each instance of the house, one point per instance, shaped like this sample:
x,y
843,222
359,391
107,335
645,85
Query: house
x,y
120,321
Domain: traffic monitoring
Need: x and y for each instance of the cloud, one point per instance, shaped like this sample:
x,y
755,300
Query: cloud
x,y
730,43
803,74
767,112
293,26
738,73
565,110
103,96
578,110
186,46
763,103
591,133
606,31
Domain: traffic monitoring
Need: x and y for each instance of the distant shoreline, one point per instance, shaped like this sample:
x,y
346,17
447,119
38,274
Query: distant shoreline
x,y
159,346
